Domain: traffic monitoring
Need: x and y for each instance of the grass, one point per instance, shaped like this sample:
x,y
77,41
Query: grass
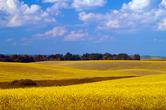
x,y
146,92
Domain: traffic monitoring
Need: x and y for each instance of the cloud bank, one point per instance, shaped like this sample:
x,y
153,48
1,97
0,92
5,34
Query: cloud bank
x,y
136,14
14,13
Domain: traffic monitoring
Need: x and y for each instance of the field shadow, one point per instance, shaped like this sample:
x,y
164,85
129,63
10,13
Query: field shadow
x,y
47,83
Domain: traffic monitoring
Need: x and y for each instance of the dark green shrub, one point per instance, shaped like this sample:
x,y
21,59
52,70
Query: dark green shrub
x,y
23,83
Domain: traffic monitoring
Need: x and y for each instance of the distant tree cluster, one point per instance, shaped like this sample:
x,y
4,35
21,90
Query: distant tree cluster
x,y
67,57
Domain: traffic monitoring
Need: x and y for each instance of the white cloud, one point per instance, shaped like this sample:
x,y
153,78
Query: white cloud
x,y
136,5
14,21
162,25
133,15
163,3
54,1
57,6
16,13
62,32
86,16
32,9
90,17
113,24
83,4
74,35
53,33
9,5
51,1
55,9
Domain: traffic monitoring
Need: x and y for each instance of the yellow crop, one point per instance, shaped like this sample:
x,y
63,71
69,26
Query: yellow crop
x,y
78,69
146,92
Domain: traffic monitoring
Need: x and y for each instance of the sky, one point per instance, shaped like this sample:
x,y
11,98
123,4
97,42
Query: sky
x,y
81,26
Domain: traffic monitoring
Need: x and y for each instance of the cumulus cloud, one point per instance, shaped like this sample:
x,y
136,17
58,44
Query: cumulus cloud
x,y
86,16
63,33
135,14
57,6
16,13
113,24
162,25
54,1
137,5
76,35
53,33
163,3
84,4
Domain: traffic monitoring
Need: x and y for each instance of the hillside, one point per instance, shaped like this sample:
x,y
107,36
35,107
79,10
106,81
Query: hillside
x,y
86,85
141,93
78,69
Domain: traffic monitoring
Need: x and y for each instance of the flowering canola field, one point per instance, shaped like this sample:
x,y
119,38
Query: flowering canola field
x,y
146,92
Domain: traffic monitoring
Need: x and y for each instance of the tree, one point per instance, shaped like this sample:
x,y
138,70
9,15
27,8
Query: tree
x,y
56,57
136,57
92,56
26,58
76,57
40,58
4,58
85,56
123,56
107,56
68,56
95,56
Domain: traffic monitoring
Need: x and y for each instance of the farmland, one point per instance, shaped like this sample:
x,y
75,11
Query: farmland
x,y
146,89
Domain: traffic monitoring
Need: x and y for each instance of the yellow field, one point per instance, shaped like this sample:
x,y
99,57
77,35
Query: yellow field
x,y
147,92
13,71
79,69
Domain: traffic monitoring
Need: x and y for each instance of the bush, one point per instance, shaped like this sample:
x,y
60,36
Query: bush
x,y
23,83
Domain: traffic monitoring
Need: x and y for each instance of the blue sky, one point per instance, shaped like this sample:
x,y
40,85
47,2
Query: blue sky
x,y
80,26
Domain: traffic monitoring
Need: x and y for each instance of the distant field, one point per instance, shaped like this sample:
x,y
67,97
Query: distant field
x,y
146,92
78,69
46,71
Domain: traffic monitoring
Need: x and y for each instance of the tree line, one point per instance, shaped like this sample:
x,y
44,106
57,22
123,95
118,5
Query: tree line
x,y
67,57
